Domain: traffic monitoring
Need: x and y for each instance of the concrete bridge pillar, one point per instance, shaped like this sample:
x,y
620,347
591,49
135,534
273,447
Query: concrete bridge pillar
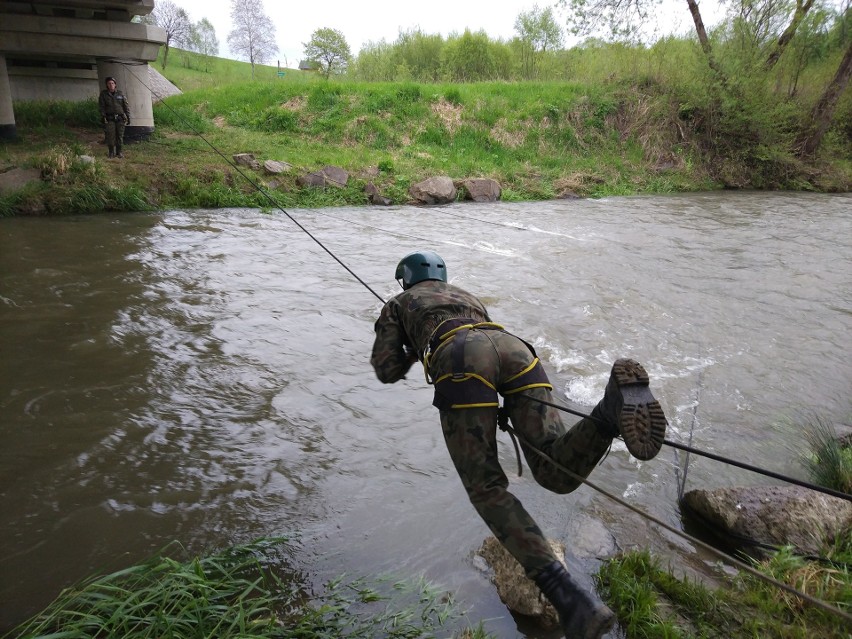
x,y
7,113
132,80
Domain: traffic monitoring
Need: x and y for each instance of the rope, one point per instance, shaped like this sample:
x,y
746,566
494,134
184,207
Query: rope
x,y
262,191
720,458
681,485
724,557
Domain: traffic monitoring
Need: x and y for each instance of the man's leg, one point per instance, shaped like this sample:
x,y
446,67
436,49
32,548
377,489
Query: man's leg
x,y
628,409
579,449
470,434
109,137
119,138
471,439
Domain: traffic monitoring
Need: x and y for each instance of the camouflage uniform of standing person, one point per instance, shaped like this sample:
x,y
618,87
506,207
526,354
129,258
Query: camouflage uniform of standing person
x,y
115,115
471,361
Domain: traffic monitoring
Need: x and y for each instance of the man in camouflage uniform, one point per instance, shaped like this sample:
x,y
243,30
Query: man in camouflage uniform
x,y
470,360
115,115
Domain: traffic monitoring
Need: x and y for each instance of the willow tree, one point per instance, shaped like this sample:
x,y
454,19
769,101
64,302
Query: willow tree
x,y
538,33
626,17
824,109
204,41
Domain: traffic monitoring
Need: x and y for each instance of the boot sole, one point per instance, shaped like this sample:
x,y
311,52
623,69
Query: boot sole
x,y
642,422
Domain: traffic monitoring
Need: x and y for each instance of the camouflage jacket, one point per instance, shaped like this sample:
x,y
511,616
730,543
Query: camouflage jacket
x,y
407,321
113,104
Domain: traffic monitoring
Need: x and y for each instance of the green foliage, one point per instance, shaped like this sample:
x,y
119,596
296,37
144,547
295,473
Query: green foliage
x,y
329,49
40,113
631,119
180,118
453,96
651,602
472,57
274,119
324,97
828,462
242,591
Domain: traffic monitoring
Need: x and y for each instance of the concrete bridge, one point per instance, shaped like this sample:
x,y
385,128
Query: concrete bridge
x,y
65,49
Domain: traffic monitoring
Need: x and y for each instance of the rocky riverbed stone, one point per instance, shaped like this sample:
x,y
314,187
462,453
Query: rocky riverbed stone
x,y
516,590
773,515
434,190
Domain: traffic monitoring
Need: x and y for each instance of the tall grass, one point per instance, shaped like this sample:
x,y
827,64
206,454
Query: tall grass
x,y
41,114
652,603
239,592
829,461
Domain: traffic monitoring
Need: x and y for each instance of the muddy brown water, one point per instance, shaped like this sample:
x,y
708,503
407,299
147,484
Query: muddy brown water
x,y
204,376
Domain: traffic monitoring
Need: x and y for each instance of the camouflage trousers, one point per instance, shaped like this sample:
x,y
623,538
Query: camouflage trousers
x,y
471,438
114,131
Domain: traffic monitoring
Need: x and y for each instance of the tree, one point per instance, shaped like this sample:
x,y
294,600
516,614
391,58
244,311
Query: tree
x,y
175,22
253,35
470,58
328,48
204,40
823,112
538,32
799,14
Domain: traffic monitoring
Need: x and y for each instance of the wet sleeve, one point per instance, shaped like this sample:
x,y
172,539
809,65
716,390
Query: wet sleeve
x,y
389,359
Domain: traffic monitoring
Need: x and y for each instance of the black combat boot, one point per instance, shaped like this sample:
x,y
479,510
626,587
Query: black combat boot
x,y
581,615
118,152
111,152
630,410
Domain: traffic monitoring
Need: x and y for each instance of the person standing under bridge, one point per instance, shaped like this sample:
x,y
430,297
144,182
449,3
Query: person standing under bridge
x,y
471,361
115,115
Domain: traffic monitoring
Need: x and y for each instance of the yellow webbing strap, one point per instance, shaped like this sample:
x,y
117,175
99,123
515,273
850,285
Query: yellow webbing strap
x,y
444,340
529,368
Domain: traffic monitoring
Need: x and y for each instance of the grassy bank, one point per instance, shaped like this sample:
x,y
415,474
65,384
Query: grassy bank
x,y
245,591
242,591
539,140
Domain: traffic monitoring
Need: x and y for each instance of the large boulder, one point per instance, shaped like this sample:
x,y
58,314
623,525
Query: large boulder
x,y
328,176
16,178
482,189
773,515
516,590
434,190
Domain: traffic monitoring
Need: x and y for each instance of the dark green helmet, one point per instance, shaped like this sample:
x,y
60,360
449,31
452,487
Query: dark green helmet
x,y
420,266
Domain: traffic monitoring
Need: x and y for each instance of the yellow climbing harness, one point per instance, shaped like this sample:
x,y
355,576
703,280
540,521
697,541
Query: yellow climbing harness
x,y
461,389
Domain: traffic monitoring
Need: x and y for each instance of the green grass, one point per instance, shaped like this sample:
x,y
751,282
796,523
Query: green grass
x,y
829,461
189,71
537,139
651,603
240,592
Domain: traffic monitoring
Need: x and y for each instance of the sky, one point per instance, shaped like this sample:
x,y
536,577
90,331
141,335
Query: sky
x,y
371,20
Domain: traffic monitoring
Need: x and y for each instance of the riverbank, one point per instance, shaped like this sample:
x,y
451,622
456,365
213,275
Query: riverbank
x,y
539,141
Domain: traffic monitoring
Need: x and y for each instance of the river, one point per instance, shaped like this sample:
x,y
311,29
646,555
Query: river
x,y
203,376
